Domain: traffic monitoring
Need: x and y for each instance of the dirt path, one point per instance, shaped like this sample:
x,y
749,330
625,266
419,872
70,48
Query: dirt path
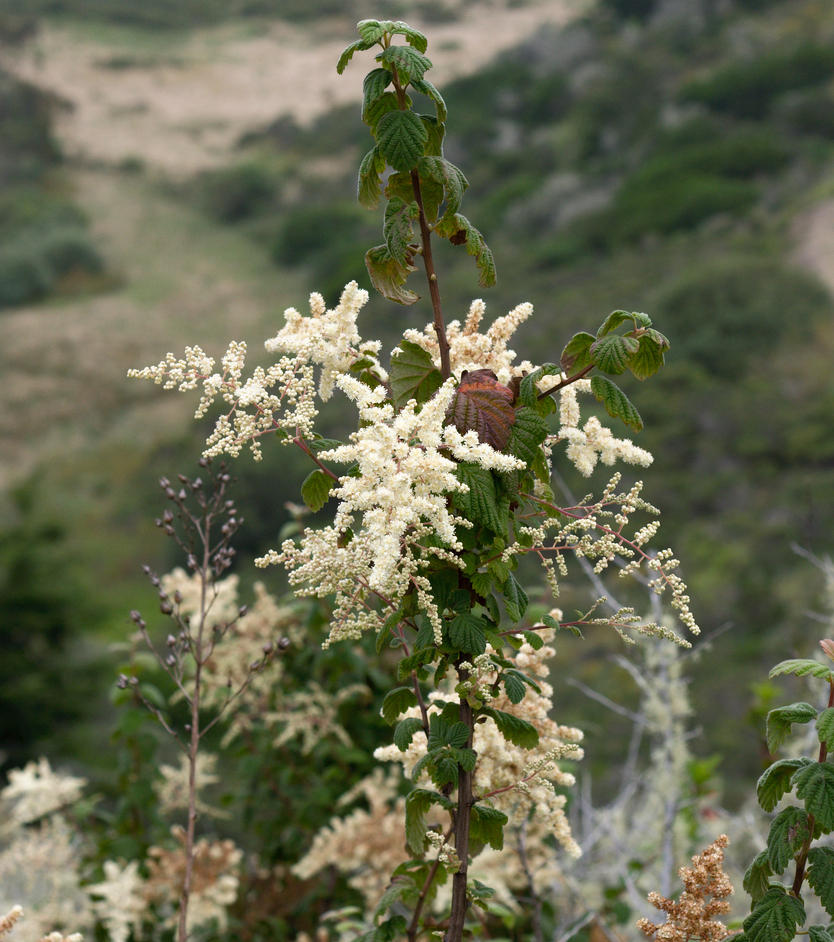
x,y
180,104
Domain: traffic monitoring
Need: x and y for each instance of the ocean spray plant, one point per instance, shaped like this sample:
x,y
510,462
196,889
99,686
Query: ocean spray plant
x,y
446,485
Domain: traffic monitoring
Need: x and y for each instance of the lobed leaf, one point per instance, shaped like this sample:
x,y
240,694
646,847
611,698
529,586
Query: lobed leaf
x,y
825,728
466,633
528,432
413,374
821,876
397,701
757,877
775,781
369,185
515,598
410,64
513,728
485,405
315,491
372,31
460,231
780,720
486,825
615,318
801,667
347,53
649,356
398,228
788,831
814,784
775,917
577,353
480,503
413,36
450,177
389,275
611,354
616,403
425,87
514,686
401,137
405,730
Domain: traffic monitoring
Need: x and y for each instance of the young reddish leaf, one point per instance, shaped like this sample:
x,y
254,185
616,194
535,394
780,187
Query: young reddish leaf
x,y
485,405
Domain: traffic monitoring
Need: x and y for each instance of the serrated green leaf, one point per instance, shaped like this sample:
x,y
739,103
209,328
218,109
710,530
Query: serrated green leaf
x,y
466,758
466,633
479,504
436,131
515,598
315,491
389,275
400,137
801,667
347,53
779,722
444,583
534,639
413,36
821,876
514,687
528,432
375,83
397,701
460,231
445,771
405,730
611,354
374,111
399,887
757,877
648,359
409,63
413,374
513,728
814,784
398,228
318,445
825,728
417,803
775,781
528,393
615,318
775,917
482,583
457,735
485,405
425,87
369,185
372,31
788,831
616,403
820,934
577,353
486,825
446,174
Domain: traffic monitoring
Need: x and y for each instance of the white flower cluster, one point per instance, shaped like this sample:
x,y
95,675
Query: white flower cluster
x,y
399,487
592,442
35,791
118,901
471,350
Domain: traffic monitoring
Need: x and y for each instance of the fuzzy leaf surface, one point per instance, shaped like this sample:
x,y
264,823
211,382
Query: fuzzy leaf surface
x,y
315,491
775,917
446,174
405,730
528,432
486,825
802,667
788,831
825,728
417,803
616,403
401,137
611,354
821,876
577,353
514,686
515,598
398,228
814,784
375,83
513,728
413,374
820,934
616,318
480,503
757,877
466,633
397,701
369,185
374,111
389,275
425,87
780,720
460,231
649,356
485,405
775,781
409,63
347,53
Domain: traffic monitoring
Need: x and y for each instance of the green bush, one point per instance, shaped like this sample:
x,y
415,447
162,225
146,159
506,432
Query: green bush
x,y
236,193
747,89
27,146
24,277
810,112
29,207
69,249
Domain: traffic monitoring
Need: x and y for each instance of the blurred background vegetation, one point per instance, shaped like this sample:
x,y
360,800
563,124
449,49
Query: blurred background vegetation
x,y
659,155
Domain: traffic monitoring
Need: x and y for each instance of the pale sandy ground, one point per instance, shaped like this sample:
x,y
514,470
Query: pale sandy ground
x,y
814,232
183,105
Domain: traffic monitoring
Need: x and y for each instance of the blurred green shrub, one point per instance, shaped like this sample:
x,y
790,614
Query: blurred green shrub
x,y
809,112
747,89
234,193
27,146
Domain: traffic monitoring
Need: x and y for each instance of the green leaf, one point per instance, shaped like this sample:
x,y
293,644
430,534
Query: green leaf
x,y
397,701
466,758
616,403
436,131
801,667
414,36
466,633
615,318
405,730
486,825
528,432
445,771
399,887
441,171
374,111
611,354
780,720
649,356
375,83
534,639
814,785
369,185
460,231
348,51
821,876
457,735
479,504
372,31
757,877
482,583
528,393
417,803
413,374
485,405
820,934
788,831
577,353
825,728
425,87
775,781
514,686
513,728
316,489
775,917
515,598
398,228
400,137
389,275
409,63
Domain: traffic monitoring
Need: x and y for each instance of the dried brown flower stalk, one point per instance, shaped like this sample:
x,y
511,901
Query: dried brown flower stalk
x,y
706,888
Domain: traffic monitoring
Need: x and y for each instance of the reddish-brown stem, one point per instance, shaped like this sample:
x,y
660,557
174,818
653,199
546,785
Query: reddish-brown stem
x,y
802,857
414,925
566,381
460,903
302,444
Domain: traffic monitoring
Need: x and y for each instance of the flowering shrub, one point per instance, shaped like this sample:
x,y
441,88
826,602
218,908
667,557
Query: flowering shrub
x,y
444,486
